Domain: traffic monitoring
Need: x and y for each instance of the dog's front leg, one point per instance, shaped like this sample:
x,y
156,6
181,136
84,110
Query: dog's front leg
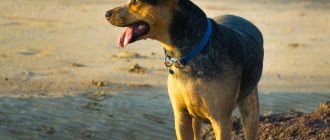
x,y
183,126
222,128
197,126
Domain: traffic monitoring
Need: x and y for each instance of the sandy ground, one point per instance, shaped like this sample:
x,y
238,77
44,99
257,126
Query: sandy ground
x,y
63,76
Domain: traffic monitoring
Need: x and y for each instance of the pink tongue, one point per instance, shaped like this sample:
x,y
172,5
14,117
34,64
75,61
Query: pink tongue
x,y
126,37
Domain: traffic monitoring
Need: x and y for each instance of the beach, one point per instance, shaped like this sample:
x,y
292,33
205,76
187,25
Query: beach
x,y
63,76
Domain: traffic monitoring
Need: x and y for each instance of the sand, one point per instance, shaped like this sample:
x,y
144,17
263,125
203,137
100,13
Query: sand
x,y
63,76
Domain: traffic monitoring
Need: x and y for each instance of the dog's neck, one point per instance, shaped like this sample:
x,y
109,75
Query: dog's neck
x,y
188,27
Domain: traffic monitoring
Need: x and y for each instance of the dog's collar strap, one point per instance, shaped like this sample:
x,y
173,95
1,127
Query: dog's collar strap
x,y
200,46
183,61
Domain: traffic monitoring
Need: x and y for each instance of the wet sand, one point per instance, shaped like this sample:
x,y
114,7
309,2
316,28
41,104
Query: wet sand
x,y
63,76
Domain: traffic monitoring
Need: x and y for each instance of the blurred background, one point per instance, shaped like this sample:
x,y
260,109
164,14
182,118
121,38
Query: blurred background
x,y
63,76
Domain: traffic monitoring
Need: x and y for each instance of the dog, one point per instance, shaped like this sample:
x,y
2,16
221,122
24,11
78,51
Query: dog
x,y
214,64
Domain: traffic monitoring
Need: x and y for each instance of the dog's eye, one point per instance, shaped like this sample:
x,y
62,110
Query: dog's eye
x,y
134,1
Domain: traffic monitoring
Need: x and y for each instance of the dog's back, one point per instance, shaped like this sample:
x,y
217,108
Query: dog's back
x,y
243,27
252,41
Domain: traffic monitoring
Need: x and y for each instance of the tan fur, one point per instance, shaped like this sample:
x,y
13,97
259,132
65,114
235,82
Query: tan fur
x,y
213,101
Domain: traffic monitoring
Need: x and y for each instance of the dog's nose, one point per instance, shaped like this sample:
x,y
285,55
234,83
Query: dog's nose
x,y
108,14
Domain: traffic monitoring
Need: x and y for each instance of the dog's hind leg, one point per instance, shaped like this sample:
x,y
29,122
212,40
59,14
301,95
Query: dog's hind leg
x,y
196,124
249,110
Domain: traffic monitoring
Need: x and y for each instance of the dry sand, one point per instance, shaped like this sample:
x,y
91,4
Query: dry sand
x,y
63,76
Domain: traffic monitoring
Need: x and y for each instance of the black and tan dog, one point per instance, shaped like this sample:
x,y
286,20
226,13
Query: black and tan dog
x,y
221,76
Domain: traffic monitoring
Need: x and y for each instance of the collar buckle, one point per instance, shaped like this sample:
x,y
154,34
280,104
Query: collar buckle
x,y
167,61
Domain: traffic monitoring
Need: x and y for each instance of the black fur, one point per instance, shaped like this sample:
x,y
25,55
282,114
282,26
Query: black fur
x,y
235,46
151,2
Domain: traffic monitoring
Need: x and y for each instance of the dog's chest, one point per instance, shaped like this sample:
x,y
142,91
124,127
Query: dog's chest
x,y
189,95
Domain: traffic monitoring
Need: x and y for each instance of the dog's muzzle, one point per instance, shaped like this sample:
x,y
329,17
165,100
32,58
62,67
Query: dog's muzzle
x,y
108,14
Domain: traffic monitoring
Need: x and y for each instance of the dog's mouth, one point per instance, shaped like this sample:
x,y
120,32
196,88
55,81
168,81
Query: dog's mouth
x,y
133,32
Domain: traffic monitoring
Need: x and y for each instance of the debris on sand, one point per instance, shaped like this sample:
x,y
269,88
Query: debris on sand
x,y
74,64
295,45
96,83
141,85
88,134
325,107
152,53
46,129
136,68
3,55
302,14
100,83
127,54
96,96
29,52
92,106
291,125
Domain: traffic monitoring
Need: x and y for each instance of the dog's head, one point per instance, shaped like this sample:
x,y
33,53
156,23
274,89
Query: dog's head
x,y
142,19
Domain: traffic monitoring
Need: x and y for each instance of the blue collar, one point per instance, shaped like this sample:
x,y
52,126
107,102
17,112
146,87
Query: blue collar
x,y
196,51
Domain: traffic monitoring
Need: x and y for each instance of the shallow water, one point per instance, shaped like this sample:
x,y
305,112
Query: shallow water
x,y
121,116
